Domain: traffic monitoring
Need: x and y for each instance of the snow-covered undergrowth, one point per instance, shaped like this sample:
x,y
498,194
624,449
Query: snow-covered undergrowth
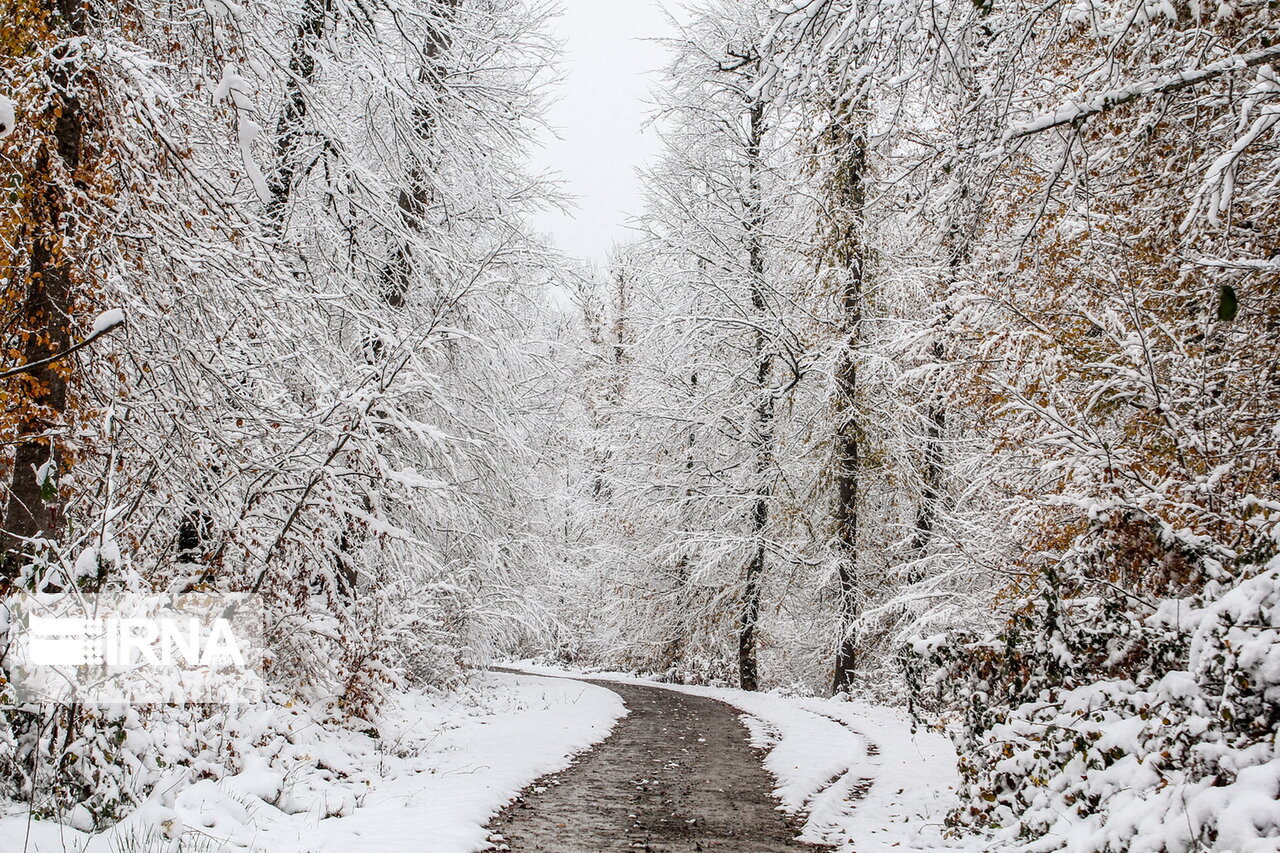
x,y
426,778
1122,732
856,773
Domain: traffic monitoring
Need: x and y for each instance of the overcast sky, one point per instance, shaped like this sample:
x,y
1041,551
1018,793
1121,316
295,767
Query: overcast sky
x,y
609,69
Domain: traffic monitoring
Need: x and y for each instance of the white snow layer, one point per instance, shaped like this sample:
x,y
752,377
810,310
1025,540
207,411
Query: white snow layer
x,y
428,783
7,117
106,320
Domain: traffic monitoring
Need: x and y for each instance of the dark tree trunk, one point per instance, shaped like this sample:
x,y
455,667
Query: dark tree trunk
x,y
290,129
34,507
847,143
748,669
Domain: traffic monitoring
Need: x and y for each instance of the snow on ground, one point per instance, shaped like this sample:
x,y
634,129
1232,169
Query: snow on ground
x,y
856,772
439,768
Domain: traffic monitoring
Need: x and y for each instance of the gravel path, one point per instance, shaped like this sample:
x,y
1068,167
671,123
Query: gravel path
x,y
677,774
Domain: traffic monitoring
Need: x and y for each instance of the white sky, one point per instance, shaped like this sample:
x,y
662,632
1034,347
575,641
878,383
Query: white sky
x,y
609,68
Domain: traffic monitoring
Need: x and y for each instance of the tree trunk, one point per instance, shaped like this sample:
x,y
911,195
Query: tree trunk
x,y
34,507
748,669
931,478
415,199
289,130
847,142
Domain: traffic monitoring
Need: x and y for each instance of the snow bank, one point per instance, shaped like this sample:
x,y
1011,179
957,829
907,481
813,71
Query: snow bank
x,y
860,776
427,779
856,773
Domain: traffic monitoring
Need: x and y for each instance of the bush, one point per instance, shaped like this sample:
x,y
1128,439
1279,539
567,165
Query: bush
x,y
1108,724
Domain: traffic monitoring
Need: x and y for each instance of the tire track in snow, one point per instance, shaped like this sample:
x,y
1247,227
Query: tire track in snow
x,y
832,803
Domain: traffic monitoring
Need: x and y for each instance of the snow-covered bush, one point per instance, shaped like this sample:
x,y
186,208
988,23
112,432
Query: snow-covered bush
x,y
1094,726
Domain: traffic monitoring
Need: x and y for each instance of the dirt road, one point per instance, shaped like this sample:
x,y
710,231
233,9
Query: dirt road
x,y
677,774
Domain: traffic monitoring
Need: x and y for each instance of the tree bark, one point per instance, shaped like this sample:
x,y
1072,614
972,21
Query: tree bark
x,y
847,142
289,129
748,667
33,509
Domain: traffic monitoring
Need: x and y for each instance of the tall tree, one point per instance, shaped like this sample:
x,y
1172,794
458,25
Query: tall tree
x,y
49,270
710,362
845,144
762,430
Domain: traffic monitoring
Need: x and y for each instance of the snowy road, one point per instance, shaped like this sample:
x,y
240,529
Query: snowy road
x,y
677,774
687,768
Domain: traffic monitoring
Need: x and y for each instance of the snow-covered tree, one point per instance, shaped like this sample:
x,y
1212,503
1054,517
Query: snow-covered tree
x,y
311,215
1096,179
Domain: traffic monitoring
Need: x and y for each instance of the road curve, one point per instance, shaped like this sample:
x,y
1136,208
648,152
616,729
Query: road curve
x,y
677,774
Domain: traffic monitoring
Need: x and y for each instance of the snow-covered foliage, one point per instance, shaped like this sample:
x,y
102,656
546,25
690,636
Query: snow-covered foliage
x,y
1022,261
1090,728
1105,395
311,215
698,335
953,319
719,434
434,763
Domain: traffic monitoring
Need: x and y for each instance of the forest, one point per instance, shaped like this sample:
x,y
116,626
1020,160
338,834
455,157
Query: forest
x,y
940,375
